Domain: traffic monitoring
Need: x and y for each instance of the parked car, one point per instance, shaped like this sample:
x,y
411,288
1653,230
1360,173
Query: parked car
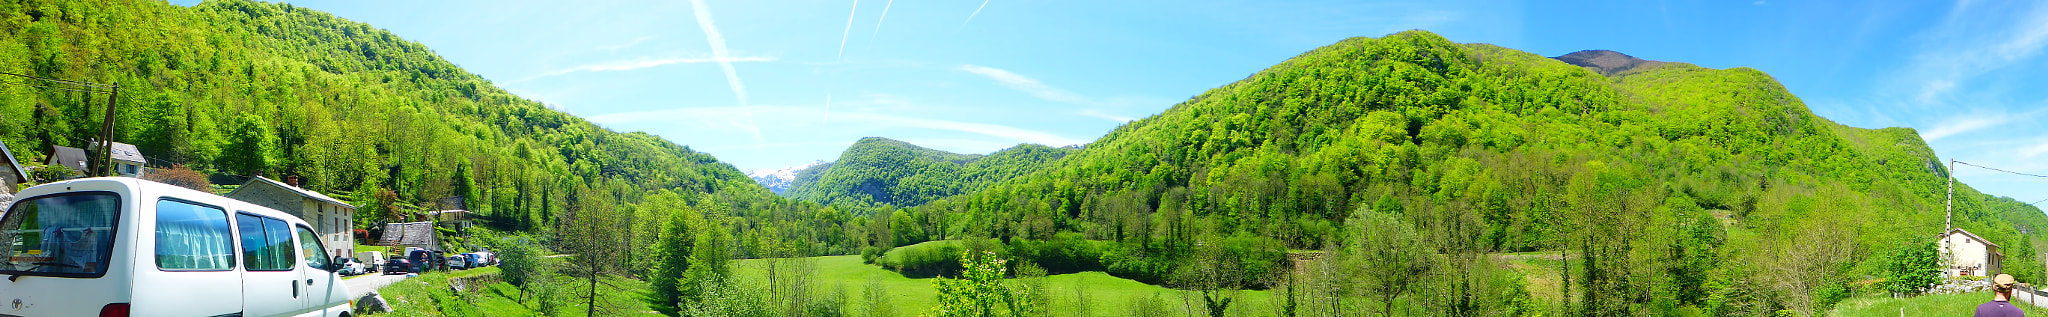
x,y
375,260
486,258
471,260
397,266
115,245
455,262
350,266
421,259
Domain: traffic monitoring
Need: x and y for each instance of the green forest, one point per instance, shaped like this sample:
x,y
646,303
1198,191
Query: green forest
x,y
879,172
1405,175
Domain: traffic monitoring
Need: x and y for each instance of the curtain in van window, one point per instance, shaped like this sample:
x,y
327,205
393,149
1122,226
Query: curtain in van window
x,y
192,237
266,243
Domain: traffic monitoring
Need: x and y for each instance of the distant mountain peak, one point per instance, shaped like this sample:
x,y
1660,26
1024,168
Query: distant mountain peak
x,y
778,179
1606,62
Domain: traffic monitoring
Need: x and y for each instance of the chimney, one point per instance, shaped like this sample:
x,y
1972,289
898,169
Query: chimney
x,y
292,180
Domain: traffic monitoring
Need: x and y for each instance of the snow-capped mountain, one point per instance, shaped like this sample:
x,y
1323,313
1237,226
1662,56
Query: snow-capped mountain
x,y
778,180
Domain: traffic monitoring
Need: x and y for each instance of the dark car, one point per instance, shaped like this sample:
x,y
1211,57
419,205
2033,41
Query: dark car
x,y
397,266
422,258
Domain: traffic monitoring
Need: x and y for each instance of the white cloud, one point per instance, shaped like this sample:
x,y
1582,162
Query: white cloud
x,y
639,63
1975,41
2035,150
1026,85
718,52
629,44
1106,115
1954,127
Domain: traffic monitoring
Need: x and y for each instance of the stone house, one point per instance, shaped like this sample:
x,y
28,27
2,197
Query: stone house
x,y
410,234
332,219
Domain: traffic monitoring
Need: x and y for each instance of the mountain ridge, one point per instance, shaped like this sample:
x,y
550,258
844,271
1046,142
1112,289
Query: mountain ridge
x,y
877,171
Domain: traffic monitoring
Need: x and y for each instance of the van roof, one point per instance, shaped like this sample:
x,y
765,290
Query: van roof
x,y
135,185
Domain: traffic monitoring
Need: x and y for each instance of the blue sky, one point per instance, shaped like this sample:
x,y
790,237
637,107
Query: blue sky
x,y
772,83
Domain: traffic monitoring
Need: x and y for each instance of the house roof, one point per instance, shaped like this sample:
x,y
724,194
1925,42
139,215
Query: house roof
x,y
450,215
127,152
19,175
408,233
265,181
71,157
1973,236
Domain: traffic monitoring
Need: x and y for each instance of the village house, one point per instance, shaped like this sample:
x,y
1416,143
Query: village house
x,y
68,157
128,160
410,234
1967,254
332,219
11,175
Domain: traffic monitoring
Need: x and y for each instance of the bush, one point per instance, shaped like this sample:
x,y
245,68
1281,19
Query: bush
x,y
869,254
1067,252
1134,263
1914,267
180,176
927,259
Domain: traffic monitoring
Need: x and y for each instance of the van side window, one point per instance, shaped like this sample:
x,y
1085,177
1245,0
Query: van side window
x,y
193,237
309,246
266,243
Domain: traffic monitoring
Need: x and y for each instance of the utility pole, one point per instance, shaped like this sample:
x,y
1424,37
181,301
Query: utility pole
x,y
105,166
100,166
1949,205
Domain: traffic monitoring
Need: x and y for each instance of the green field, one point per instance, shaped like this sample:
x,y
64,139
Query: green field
x,y
1930,305
1105,295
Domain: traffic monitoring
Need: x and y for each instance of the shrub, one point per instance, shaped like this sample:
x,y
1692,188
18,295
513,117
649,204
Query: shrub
x,y
927,259
1067,252
180,176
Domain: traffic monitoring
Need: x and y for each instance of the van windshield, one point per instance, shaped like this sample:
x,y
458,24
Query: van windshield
x,y
70,235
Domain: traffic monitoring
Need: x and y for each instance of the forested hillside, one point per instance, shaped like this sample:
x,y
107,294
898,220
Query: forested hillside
x,y
883,172
1671,187
241,88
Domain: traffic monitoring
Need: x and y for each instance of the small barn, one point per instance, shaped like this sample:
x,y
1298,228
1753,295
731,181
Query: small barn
x,y
1965,254
332,219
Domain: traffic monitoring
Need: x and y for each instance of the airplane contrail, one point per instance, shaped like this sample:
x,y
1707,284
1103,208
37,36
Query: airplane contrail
x,y
849,29
878,22
977,11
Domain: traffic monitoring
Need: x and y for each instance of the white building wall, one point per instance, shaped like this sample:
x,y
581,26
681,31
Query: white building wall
x,y
1966,256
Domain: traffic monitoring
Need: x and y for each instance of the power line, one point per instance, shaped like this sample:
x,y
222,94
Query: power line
x,y
1995,169
93,85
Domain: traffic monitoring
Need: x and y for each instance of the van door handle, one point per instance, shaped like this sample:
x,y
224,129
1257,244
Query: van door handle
x,y
295,289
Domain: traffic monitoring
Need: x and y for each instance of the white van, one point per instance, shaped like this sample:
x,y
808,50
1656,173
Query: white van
x,y
113,245
374,259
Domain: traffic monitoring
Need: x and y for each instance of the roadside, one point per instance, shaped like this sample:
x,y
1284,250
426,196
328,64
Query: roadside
x,y
363,284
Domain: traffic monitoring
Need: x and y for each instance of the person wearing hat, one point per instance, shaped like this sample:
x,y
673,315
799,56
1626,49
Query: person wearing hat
x,y
2001,304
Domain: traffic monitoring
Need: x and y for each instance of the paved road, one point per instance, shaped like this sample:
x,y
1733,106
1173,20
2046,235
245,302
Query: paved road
x,y
363,285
